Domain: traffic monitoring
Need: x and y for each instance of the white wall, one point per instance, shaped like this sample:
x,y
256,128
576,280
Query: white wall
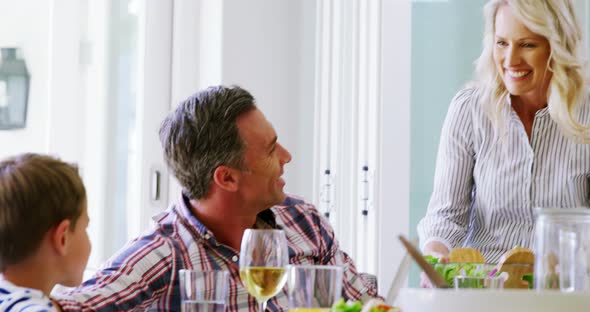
x,y
32,19
394,171
66,89
268,48
47,34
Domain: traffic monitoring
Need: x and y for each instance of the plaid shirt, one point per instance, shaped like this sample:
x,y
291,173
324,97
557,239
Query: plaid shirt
x,y
144,274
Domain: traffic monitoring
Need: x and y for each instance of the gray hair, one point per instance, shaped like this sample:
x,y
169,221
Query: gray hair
x,y
201,135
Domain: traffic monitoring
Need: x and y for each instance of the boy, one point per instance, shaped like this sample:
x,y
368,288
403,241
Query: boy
x,y
43,238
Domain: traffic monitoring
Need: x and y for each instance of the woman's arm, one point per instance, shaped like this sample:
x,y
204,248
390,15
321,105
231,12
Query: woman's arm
x,y
445,224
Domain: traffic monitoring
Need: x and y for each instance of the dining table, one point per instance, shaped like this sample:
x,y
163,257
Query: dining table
x,y
491,300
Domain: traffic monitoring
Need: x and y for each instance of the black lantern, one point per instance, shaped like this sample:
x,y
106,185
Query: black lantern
x,y
14,90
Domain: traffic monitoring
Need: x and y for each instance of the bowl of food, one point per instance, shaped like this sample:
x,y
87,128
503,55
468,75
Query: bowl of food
x,y
518,264
448,271
517,275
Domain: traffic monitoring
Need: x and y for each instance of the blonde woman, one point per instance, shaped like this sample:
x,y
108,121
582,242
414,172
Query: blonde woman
x,y
517,137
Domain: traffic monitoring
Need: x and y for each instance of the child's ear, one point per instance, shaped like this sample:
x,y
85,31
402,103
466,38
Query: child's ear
x,y
60,236
226,178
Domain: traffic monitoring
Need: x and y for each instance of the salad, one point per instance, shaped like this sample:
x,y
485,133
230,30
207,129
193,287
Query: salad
x,y
529,278
449,270
373,305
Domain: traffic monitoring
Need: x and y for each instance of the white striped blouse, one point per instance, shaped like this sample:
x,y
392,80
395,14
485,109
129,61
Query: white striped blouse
x,y
485,189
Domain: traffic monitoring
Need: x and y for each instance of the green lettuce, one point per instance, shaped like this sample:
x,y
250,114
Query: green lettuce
x,y
449,270
342,306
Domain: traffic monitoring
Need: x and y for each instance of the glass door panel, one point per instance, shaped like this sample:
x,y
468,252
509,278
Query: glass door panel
x,y
446,40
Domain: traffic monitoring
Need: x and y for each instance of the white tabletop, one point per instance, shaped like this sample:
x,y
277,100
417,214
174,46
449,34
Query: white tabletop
x,y
476,300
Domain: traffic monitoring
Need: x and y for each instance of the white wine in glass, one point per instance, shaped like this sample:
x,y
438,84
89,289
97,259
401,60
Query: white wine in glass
x,y
264,257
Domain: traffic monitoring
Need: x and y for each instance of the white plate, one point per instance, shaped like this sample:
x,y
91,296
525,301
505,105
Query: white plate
x,y
451,300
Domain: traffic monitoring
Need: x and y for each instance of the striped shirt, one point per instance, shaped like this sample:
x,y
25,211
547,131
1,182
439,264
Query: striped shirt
x,y
144,274
485,189
20,299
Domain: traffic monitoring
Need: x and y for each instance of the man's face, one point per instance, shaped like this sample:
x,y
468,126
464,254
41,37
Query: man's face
x,y
261,185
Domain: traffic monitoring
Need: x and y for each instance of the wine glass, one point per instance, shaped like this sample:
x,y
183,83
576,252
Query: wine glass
x,y
264,258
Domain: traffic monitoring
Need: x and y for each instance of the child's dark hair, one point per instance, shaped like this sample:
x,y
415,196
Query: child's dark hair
x,y
37,192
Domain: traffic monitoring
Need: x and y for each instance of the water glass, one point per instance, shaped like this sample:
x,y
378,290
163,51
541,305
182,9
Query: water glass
x,y
478,282
314,287
203,291
562,249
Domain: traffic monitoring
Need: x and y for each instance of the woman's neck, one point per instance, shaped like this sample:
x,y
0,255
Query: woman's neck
x,y
528,104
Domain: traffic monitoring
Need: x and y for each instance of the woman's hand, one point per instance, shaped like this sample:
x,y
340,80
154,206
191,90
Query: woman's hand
x,y
438,250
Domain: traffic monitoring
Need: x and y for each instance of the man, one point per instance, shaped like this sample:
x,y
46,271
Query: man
x,y
227,158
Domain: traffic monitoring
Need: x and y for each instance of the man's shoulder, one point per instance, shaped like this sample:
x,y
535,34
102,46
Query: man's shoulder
x,y
296,204
296,210
165,234
293,200
168,221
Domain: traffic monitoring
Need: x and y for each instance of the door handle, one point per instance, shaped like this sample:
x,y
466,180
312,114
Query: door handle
x,y
155,188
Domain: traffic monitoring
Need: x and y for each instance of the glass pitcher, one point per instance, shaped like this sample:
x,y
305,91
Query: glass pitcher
x,y
562,249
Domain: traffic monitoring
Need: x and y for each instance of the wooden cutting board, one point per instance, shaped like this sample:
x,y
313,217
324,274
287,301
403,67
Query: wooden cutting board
x,y
517,262
466,255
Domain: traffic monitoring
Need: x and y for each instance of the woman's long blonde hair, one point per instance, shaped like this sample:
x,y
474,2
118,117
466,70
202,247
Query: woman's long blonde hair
x,y
568,89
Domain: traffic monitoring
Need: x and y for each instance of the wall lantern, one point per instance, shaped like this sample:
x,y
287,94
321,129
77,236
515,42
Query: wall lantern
x,y
14,89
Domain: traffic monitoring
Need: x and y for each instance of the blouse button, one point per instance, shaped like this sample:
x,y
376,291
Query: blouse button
x,y
234,258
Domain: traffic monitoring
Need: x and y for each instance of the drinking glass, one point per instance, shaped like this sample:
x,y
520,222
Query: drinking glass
x,y
491,282
314,288
203,291
562,249
264,258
